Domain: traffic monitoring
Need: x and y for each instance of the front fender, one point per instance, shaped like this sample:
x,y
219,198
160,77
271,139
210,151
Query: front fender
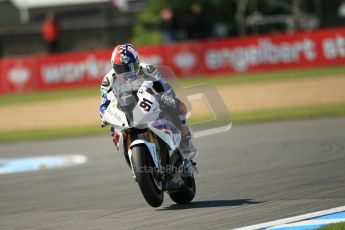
x,y
151,147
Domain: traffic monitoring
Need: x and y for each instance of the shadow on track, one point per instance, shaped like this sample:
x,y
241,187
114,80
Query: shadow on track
x,y
209,204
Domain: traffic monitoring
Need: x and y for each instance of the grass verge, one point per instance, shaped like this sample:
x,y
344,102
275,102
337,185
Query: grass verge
x,y
54,95
233,79
294,113
44,134
339,226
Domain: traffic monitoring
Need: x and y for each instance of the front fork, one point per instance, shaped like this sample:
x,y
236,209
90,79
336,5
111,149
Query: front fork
x,y
129,137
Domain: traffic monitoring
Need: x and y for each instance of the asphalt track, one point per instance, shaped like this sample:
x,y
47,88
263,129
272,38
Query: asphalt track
x,y
252,174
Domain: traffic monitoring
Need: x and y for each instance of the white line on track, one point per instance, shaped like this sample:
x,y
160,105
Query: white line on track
x,y
28,164
307,223
293,219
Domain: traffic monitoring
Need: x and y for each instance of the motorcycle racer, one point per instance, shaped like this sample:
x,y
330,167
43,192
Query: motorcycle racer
x,y
125,59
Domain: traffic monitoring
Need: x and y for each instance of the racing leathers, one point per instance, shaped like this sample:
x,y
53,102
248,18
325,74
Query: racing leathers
x,y
168,101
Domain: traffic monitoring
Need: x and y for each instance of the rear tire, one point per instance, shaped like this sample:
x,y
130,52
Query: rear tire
x,y
187,194
140,159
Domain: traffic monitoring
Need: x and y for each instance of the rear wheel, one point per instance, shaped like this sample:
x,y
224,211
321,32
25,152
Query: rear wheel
x,y
187,193
149,184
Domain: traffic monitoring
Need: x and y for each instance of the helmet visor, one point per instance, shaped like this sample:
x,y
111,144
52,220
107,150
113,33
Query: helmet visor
x,y
126,68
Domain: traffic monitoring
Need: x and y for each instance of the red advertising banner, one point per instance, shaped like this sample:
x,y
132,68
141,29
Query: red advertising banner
x,y
308,49
155,55
267,53
185,58
72,70
255,53
18,75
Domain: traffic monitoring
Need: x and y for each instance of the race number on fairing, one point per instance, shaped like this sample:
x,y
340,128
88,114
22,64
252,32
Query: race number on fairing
x,y
146,104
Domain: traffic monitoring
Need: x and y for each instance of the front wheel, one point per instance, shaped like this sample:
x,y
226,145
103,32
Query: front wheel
x,y
143,168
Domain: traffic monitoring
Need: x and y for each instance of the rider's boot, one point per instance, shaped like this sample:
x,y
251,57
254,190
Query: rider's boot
x,y
112,132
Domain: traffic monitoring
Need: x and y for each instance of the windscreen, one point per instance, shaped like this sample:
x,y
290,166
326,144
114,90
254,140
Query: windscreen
x,y
125,89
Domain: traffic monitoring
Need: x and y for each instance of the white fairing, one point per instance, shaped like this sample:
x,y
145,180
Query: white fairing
x,y
115,117
167,132
142,116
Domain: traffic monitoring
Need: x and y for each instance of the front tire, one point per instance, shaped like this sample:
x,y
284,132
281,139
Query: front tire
x,y
152,193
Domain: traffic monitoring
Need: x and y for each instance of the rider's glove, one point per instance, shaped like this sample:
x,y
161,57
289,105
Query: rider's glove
x,y
168,101
103,123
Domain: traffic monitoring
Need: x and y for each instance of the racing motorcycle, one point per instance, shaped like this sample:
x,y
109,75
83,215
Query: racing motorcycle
x,y
148,139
